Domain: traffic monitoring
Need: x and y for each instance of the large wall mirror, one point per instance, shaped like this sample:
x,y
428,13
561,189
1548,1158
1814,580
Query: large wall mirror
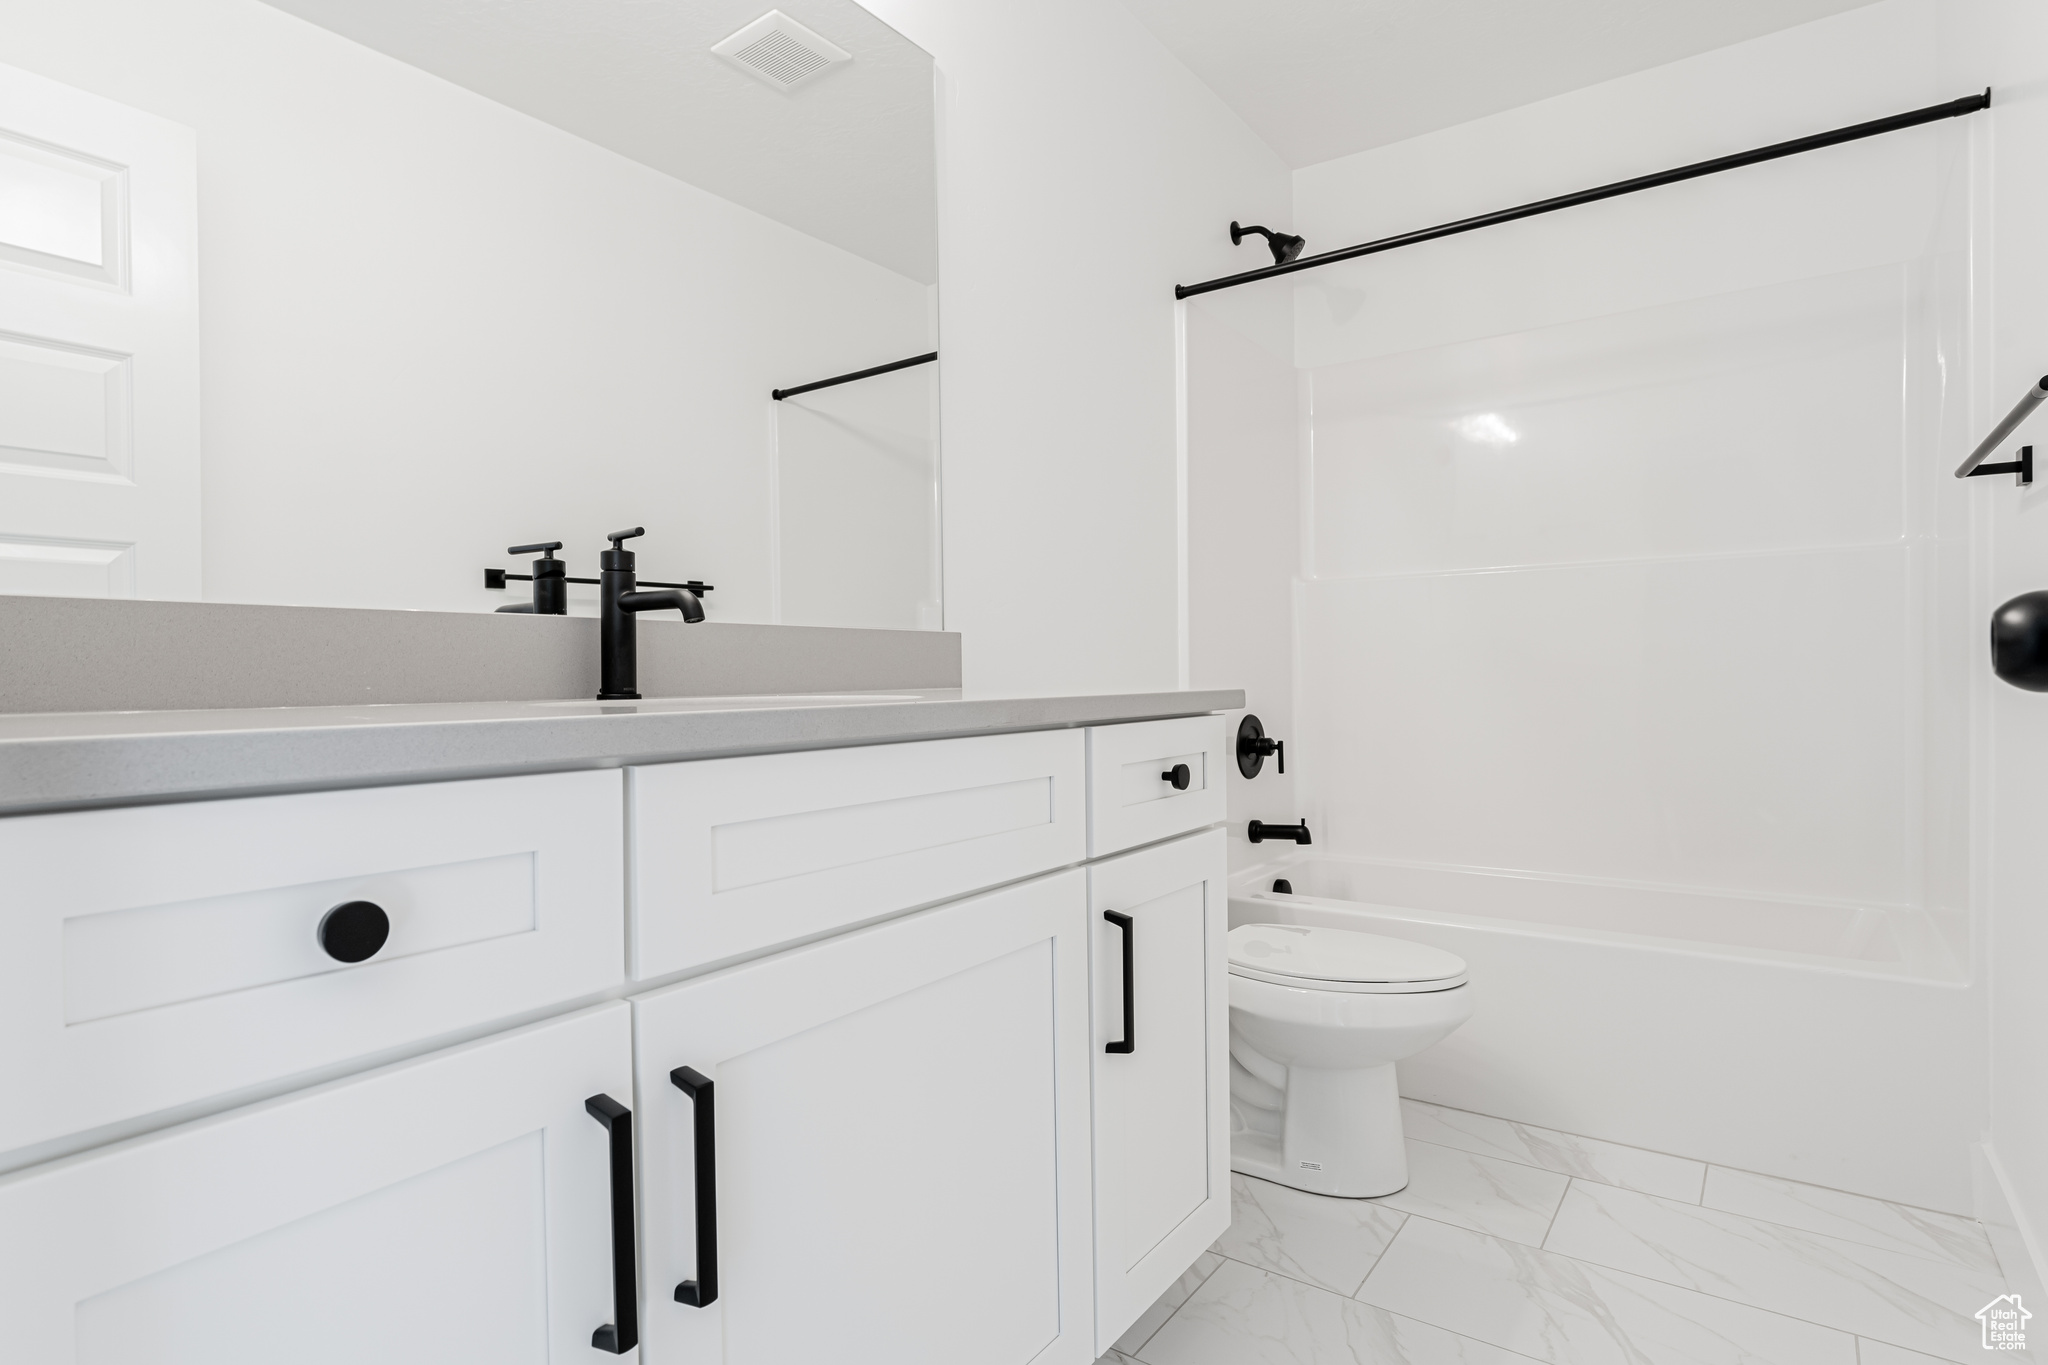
x,y
329,302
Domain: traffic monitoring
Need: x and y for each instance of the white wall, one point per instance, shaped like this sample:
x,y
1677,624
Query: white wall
x,y
1244,557
2005,43
1083,172
433,327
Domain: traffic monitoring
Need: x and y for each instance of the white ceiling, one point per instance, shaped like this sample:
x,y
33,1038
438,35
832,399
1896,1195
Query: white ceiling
x,y
847,158
1324,78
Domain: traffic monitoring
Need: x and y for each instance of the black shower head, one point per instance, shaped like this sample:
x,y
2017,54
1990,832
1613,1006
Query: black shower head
x,y
1285,245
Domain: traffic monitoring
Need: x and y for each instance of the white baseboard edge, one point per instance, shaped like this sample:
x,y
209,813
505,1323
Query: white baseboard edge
x,y
2012,1238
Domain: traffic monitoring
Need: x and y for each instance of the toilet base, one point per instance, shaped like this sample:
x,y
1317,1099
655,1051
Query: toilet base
x,y
1340,1134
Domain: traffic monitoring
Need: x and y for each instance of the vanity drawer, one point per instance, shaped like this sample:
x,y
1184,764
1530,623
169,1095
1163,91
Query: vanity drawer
x,y
732,855
1131,801
158,955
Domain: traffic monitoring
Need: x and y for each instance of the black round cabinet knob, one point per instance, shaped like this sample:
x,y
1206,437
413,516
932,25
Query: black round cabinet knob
x,y
1179,776
2019,641
354,930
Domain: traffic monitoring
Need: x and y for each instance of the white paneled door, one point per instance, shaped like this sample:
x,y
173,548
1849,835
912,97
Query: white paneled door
x,y
1160,1052
99,346
453,1208
874,1148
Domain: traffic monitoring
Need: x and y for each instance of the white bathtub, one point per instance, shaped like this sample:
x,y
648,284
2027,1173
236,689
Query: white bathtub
x,y
1818,1042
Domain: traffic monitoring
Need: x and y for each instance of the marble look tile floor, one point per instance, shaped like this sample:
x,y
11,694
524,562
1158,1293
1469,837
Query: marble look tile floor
x,y
1514,1244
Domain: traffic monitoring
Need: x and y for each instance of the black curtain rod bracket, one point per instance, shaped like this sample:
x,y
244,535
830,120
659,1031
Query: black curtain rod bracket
x,y
927,358
2022,467
1969,104
2020,412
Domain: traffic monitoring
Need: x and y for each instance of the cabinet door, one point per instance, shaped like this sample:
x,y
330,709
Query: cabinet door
x,y
455,1208
899,1140
1162,1140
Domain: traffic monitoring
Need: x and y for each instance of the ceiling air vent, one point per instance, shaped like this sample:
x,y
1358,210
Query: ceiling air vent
x,y
780,51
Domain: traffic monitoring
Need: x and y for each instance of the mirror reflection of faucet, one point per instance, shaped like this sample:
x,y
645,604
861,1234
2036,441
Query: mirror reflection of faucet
x,y
550,579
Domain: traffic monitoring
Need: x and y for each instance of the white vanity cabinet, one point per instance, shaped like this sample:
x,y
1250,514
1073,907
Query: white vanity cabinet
x,y
1160,1054
896,1129
455,1208
924,1115
154,956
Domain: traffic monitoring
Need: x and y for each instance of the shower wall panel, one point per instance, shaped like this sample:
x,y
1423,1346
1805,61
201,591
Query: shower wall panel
x,y
1630,551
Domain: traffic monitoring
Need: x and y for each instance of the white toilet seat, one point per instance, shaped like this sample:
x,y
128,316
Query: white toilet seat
x,y
1341,960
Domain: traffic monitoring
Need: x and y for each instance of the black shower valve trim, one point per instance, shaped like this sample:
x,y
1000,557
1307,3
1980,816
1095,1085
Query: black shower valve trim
x,y
1254,747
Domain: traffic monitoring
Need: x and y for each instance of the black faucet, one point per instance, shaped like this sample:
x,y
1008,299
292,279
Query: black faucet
x,y
619,654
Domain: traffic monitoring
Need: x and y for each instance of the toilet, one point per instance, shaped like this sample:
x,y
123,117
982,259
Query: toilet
x,y
1318,1017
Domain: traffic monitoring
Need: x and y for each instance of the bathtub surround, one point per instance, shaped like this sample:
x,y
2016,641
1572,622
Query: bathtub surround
x,y
1485,1260
1632,638
1571,637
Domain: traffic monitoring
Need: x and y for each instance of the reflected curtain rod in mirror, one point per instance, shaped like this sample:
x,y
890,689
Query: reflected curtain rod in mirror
x,y
779,394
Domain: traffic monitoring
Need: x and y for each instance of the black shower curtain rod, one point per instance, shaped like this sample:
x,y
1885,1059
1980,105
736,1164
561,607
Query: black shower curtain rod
x,y
927,358
1969,104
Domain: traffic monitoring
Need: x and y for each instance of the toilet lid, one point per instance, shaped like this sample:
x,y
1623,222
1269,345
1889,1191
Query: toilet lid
x,y
1295,954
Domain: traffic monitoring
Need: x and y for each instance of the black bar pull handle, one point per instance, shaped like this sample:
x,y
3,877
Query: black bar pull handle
x,y
622,1333
703,1290
1129,1042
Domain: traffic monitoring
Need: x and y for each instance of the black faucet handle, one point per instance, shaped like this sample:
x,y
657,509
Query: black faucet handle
x,y
617,538
548,548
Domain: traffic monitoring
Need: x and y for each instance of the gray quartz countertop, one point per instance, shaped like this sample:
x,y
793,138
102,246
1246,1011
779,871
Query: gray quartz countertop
x,y
65,760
